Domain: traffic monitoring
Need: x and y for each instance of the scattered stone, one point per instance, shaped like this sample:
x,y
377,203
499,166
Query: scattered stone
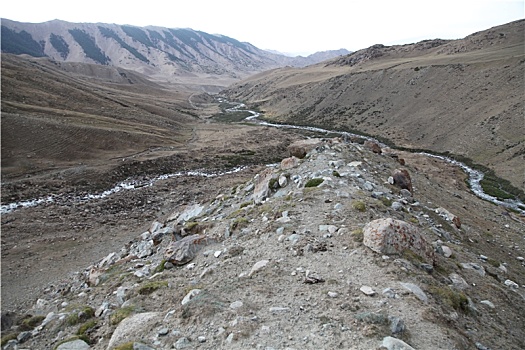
x,y
23,337
258,266
289,163
367,290
480,346
77,344
389,293
373,146
447,252
397,325
511,284
276,309
405,193
475,267
201,339
129,327
236,304
140,346
283,181
191,212
191,294
458,282
301,148
262,185
163,331
182,343
333,294
217,253
395,344
397,206
391,236
183,251
416,291
488,303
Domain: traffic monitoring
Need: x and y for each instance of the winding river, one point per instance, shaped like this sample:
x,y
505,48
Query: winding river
x,y
474,180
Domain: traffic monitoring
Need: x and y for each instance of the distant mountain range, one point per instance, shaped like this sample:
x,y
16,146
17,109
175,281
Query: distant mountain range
x,y
164,54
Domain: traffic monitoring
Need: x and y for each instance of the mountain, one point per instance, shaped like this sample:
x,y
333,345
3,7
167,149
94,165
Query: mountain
x,y
164,54
462,97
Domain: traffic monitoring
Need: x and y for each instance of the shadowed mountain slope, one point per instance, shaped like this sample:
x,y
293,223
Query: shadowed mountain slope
x,y
164,54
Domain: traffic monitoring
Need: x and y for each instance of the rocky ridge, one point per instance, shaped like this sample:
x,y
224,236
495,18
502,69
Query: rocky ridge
x,y
338,246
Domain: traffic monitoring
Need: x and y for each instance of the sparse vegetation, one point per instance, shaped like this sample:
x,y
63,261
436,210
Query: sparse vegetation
x,y
86,327
31,322
314,182
125,346
150,287
120,314
455,299
8,337
359,205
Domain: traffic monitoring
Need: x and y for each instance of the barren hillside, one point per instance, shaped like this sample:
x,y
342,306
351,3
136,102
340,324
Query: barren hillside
x,y
462,97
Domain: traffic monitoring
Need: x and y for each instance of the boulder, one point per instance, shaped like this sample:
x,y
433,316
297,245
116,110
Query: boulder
x,y
391,236
262,185
77,344
402,179
289,163
130,328
373,146
300,148
183,251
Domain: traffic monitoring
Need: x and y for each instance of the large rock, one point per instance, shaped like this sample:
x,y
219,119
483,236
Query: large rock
x,y
402,179
289,163
74,345
391,236
183,251
373,146
300,148
131,328
262,185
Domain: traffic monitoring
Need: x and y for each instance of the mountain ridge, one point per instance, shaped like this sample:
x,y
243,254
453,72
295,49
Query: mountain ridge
x,y
163,54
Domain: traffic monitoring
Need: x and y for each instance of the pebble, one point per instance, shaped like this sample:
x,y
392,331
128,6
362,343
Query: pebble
x,y
217,253
395,344
447,252
367,290
192,294
182,343
333,294
236,304
488,303
201,339
259,265
416,290
163,331
511,284
275,309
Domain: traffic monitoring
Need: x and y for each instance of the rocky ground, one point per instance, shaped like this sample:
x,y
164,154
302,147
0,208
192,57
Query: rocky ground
x,y
298,255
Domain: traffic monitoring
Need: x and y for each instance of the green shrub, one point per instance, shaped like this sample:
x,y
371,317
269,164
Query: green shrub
x,y
125,346
336,173
359,206
86,326
314,182
457,300
8,337
120,314
31,322
150,287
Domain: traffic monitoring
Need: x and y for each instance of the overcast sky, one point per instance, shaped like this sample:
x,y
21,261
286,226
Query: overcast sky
x,y
299,27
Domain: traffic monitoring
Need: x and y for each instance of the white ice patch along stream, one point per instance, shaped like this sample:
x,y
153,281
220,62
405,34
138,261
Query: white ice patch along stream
x,y
125,185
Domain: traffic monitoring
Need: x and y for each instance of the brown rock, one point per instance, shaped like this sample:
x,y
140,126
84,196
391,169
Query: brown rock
x,y
373,146
300,148
402,179
289,163
391,236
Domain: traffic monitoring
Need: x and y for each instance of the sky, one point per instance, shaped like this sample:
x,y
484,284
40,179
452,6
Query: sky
x,y
288,26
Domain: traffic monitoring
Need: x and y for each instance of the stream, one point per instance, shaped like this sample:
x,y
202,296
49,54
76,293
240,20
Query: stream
x,y
474,176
